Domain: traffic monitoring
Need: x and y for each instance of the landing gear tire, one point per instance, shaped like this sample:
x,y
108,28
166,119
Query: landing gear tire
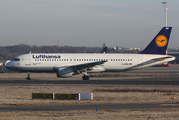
x,y
27,78
85,77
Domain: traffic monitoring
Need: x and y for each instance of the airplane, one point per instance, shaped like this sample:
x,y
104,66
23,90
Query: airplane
x,y
68,64
104,49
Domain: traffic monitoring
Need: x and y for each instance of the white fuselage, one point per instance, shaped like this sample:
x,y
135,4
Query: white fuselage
x,y
49,62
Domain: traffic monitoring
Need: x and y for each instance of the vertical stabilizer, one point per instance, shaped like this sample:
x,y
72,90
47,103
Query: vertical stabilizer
x,y
159,44
104,49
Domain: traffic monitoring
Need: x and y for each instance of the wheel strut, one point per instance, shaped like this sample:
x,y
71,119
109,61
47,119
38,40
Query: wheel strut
x,y
28,76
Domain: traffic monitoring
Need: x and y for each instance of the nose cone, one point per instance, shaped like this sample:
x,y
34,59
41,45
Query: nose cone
x,y
8,64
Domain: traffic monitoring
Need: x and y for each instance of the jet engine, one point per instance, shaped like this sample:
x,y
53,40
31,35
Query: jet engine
x,y
65,72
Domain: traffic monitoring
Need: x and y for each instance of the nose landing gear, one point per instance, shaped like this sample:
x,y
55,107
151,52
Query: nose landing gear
x,y
28,76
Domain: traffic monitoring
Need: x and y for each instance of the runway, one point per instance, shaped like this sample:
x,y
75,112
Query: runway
x,y
169,80
117,81
87,107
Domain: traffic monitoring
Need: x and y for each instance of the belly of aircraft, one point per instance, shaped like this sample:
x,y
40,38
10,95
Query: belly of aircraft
x,y
34,69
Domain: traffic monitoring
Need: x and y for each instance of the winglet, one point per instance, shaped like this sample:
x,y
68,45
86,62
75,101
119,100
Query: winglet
x,y
159,44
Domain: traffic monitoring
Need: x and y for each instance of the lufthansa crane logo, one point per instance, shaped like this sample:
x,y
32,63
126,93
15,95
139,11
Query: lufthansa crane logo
x,y
161,41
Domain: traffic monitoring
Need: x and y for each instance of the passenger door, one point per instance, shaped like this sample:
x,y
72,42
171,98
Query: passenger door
x,y
28,60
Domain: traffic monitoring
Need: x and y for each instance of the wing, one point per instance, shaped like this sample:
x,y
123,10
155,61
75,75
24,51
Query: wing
x,y
86,65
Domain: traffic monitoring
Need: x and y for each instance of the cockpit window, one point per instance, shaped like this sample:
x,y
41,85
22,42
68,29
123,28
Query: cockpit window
x,y
16,59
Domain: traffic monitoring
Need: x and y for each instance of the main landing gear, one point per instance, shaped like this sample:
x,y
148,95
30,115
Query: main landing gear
x,y
85,77
28,76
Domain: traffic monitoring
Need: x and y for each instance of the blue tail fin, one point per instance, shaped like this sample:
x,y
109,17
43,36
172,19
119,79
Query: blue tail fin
x,y
159,44
104,50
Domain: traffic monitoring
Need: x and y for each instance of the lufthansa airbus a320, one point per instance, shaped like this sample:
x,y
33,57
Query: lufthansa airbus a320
x,y
67,65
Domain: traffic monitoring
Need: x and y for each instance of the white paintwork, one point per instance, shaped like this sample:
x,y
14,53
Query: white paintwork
x,y
129,62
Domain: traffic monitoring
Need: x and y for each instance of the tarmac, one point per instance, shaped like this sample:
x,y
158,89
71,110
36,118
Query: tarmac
x,y
169,80
87,107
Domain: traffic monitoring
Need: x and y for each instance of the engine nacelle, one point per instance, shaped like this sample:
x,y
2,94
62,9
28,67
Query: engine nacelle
x,y
65,72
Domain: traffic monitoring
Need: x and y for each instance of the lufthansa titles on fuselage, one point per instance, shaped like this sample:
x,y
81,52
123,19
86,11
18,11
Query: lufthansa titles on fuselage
x,y
46,56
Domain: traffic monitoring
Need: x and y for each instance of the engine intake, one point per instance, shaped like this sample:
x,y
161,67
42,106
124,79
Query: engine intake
x,y
65,72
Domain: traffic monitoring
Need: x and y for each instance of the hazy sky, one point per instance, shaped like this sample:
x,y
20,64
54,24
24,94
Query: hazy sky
x,y
123,23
